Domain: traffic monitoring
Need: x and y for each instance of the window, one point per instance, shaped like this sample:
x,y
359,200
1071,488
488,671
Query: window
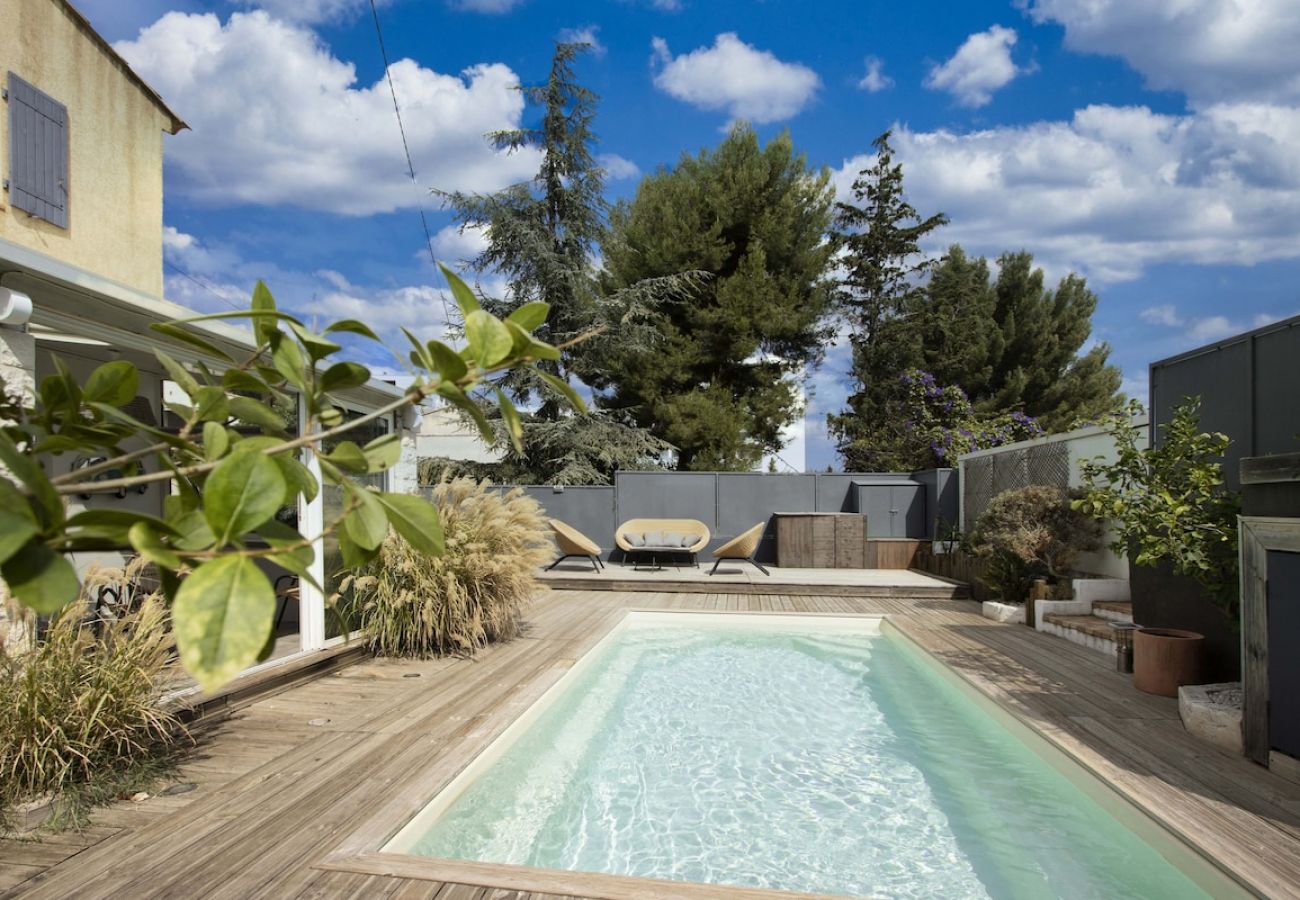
x,y
38,153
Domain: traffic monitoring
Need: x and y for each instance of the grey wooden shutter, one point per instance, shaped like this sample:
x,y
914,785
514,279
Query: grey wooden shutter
x,y
38,153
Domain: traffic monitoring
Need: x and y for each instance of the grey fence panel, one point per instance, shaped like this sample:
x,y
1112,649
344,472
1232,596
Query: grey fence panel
x,y
667,495
943,498
1249,387
977,488
745,499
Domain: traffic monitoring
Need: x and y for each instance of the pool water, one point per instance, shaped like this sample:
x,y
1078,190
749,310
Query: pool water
x,y
823,761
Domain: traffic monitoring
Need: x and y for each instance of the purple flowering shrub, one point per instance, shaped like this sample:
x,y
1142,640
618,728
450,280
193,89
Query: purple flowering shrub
x,y
930,424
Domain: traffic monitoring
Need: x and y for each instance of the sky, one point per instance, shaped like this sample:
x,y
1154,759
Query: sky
x,y
1150,147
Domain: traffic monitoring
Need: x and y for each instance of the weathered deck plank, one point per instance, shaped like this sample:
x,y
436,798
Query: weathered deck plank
x,y
277,795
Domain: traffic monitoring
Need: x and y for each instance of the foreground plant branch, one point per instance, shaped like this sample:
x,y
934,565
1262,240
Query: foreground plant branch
x,y
229,485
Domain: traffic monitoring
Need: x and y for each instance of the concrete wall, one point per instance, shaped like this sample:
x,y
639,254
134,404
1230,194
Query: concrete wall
x,y
1248,387
114,147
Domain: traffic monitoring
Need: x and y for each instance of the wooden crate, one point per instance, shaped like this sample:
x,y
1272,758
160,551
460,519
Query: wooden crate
x,y
820,540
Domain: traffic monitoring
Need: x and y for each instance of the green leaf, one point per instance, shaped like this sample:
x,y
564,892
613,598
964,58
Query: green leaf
x,y
243,491
465,298
354,556
240,314
416,520
383,452
40,579
186,336
17,527
111,524
564,389
509,415
530,315
263,302
211,405
287,357
349,457
150,545
255,412
461,400
420,355
318,346
221,617
34,479
192,531
114,382
489,339
215,441
367,525
352,326
178,373
241,380
343,375
297,476
447,362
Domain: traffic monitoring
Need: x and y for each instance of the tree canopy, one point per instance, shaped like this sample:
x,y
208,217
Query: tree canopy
x,y
722,380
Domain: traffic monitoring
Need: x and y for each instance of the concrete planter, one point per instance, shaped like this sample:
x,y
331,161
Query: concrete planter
x,y
30,815
1212,712
1003,612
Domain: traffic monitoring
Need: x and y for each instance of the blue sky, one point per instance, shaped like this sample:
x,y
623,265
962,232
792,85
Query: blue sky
x,y
1150,146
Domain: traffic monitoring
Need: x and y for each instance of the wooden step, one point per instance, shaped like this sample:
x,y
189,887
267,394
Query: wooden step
x,y
1092,626
1114,610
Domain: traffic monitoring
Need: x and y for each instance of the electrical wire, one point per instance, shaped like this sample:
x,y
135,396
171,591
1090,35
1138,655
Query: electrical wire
x,y
211,289
406,148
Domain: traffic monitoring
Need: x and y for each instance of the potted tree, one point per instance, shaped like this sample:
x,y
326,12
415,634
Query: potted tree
x,y
1168,508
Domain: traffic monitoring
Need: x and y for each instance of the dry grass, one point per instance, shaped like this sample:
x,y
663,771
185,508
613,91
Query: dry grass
x,y
414,605
81,707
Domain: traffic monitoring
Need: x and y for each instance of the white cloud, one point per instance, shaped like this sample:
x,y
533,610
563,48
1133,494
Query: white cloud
x,y
588,34
980,66
1211,50
734,76
489,7
312,12
453,245
277,119
1166,314
212,278
617,167
875,79
1114,189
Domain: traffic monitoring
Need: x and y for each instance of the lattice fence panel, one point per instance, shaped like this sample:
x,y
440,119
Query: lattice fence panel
x,y
1010,471
977,487
1049,464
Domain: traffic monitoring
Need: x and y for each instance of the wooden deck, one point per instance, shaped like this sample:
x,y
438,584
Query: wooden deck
x,y
291,777
734,577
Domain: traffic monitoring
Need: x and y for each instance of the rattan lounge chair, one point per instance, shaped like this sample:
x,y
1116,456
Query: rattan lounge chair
x,y
572,542
742,548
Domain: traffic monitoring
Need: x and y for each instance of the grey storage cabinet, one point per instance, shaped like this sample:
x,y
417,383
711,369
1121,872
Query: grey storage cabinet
x,y
894,507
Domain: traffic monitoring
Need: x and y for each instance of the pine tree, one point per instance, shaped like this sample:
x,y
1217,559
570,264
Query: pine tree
x,y
721,381
882,260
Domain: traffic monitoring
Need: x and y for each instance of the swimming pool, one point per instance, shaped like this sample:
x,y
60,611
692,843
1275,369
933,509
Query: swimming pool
x,y
819,754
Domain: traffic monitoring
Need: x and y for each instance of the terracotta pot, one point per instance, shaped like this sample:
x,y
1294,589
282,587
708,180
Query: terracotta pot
x,y
1164,658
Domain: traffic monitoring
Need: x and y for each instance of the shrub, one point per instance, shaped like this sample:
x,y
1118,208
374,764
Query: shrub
x,y
1032,532
417,605
1167,502
80,708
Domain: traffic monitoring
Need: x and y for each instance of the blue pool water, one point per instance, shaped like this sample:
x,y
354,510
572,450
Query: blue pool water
x,y
829,762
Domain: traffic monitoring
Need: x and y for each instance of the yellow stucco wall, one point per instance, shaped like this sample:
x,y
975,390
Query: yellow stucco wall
x,y
115,136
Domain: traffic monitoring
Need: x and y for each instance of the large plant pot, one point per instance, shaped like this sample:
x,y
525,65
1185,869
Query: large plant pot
x,y
1162,599
1165,658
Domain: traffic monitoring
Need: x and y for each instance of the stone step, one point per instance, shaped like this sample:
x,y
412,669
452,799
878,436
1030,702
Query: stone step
x,y
1092,632
1113,610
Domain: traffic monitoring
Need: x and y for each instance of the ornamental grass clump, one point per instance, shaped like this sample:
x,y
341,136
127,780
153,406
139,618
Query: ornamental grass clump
x,y
416,605
81,712
1031,532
